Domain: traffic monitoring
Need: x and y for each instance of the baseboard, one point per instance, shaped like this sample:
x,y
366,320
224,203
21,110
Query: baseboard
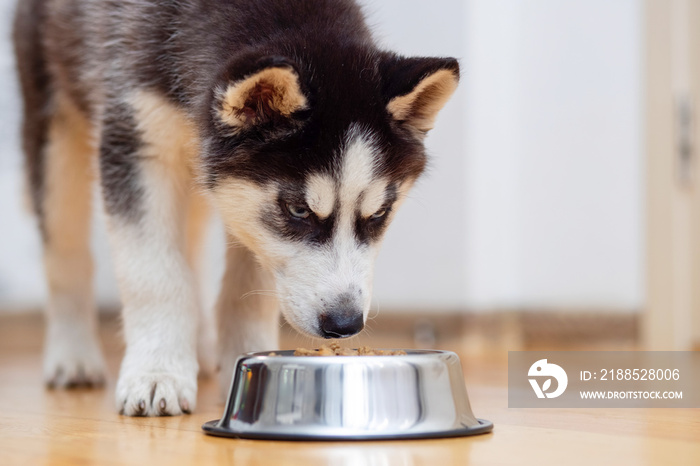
x,y
513,330
503,330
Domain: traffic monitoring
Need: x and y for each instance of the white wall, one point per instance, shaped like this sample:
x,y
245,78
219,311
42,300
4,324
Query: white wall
x,y
422,265
533,196
17,249
554,172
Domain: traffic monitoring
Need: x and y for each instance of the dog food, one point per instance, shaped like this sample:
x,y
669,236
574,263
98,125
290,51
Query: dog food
x,y
334,349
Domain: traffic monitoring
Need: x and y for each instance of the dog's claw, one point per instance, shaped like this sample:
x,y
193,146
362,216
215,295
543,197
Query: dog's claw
x,y
162,405
185,406
141,408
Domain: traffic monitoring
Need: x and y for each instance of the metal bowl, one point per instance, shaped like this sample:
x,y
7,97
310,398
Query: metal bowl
x,y
286,397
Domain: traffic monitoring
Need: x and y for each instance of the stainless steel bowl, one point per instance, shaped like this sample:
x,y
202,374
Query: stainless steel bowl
x,y
419,395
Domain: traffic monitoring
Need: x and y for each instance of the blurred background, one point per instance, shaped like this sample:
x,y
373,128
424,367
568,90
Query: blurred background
x,y
561,201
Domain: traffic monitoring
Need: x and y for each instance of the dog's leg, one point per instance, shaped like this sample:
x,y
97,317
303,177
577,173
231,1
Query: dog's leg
x,y
248,318
146,187
72,355
197,217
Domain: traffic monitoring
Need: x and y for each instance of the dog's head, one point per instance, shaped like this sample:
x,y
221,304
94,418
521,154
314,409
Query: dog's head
x,y
308,164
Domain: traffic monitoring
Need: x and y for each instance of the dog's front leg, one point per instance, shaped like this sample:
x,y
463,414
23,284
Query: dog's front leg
x,y
146,190
247,311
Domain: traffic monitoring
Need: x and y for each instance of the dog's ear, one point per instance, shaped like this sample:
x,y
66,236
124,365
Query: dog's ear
x,y
418,88
268,97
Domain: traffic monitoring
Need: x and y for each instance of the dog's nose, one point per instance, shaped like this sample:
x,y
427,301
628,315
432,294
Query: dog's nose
x,y
341,324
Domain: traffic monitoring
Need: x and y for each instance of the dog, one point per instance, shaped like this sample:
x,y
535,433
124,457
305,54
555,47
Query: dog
x,y
284,116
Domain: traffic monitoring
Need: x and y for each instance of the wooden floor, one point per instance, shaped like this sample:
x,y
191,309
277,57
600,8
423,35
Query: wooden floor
x,y
39,426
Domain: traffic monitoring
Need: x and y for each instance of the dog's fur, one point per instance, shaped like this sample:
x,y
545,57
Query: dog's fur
x,y
284,115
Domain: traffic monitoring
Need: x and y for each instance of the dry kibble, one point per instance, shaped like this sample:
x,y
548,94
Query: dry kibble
x,y
335,349
346,352
326,351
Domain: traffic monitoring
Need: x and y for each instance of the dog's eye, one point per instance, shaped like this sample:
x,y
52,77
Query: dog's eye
x,y
378,214
298,211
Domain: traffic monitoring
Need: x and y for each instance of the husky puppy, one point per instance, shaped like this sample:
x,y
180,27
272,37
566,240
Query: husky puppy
x,y
283,115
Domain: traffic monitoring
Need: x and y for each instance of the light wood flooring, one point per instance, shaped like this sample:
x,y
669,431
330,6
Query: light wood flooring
x,y
80,427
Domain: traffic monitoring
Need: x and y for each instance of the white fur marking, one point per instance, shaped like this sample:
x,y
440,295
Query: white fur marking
x,y
359,161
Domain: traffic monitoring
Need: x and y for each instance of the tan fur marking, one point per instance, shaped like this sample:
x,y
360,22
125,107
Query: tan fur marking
x,y
284,95
401,195
197,216
169,135
195,230
240,203
373,198
171,145
320,195
67,203
420,107
403,190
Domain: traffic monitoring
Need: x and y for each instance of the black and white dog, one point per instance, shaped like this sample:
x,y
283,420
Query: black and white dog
x,y
283,115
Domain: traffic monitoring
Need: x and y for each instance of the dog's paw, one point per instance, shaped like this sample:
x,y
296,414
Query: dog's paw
x,y
156,392
72,360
